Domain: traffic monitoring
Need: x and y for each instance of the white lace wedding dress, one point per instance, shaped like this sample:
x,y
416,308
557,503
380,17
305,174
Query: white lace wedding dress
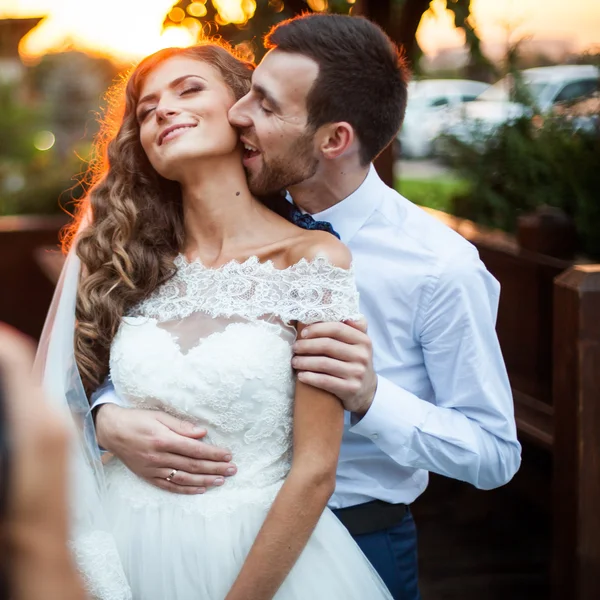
x,y
214,346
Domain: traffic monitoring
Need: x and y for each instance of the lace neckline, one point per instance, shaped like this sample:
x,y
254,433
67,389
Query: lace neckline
x,y
307,291
254,263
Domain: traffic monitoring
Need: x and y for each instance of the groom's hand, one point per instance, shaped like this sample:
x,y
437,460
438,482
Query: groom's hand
x,y
338,358
152,444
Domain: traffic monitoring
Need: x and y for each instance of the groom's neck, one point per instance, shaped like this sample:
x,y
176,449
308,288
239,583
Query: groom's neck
x,y
330,185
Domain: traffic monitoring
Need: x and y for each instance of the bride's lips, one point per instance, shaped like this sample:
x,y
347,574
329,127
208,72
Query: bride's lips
x,y
251,152
169,131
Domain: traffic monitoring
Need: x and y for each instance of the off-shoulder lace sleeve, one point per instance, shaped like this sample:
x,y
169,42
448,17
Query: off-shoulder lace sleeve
x,y
307,292
317,291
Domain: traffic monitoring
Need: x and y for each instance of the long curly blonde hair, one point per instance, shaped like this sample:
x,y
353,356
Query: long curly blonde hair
x,y
131,221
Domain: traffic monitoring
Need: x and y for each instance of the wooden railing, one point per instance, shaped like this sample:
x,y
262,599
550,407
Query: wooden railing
x,y
549,330
25,290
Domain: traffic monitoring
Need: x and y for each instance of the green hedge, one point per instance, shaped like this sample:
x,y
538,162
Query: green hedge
x,y
531,163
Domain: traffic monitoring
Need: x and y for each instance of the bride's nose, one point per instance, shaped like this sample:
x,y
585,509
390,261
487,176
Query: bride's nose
x,y
165,112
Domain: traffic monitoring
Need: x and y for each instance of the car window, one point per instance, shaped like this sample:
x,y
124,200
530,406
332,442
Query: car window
x,y
577,89
468,97
441,101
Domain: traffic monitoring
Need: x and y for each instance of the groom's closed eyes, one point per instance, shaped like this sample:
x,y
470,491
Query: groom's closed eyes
x,y
266,100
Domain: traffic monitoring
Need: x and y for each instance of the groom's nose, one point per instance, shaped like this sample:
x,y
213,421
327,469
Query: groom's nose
x,y
239,115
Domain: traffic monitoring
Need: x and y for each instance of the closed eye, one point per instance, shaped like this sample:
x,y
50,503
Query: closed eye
x,y
191,90
143,114
266,110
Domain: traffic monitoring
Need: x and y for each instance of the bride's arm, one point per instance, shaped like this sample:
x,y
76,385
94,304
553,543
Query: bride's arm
x,y
318,429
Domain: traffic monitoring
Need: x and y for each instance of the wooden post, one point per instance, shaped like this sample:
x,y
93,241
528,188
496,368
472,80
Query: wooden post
x,y
576,398
548,230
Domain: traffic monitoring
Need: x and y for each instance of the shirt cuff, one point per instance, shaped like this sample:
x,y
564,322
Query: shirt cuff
x,y
105,396
108,397
393,416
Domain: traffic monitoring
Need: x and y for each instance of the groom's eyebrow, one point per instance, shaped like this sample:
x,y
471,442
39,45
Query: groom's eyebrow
x,y
260,90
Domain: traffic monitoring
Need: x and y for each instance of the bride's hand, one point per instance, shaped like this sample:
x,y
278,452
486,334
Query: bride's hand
x,y
153,444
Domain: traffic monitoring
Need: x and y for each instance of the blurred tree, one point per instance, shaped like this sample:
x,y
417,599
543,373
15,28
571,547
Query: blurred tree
x,y
399,18
531,163
44,133
68,86
18,124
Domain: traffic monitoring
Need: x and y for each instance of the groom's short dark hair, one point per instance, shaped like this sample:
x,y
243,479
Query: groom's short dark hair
x,y
362,77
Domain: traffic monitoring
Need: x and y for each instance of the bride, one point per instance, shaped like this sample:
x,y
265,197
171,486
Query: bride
x,y
190,292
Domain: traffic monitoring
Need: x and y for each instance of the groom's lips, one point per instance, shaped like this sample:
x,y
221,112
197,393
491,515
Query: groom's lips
x,y
251,152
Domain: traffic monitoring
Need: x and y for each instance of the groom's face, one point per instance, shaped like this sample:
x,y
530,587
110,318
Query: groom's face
x,y
273,121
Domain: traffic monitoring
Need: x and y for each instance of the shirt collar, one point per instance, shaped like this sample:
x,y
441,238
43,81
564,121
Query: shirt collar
x,y
349,215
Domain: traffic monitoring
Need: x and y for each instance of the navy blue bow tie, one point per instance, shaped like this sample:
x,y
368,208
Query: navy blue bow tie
x,y
292,213
306,221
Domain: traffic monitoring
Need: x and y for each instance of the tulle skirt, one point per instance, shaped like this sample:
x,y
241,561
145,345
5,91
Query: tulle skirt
x,y
193,547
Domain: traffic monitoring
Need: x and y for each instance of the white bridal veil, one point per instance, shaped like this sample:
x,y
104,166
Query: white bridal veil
x,y
92,543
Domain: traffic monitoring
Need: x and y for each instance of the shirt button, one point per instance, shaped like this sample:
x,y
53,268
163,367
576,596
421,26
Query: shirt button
x,y
374,436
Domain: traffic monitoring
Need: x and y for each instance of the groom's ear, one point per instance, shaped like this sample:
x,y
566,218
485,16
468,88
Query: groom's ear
x,y
336,139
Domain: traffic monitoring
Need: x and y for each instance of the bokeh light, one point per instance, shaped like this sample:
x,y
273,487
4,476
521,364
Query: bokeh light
x,y
318,5
197,9
234,11
177,14
276,5
44,140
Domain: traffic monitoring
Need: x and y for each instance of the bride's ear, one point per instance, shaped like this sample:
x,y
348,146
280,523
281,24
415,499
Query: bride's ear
x,y
336,139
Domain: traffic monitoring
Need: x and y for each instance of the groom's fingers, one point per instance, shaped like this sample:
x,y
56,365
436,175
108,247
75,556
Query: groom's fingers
x,y
326,365
168,486
325,347
193,466
180,426
334,385
343,332
184,479
174,443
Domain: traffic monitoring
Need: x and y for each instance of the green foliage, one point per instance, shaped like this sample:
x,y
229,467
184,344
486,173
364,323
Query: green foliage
x,y
59,95
531,163
46,184
18,125
31,180
432,193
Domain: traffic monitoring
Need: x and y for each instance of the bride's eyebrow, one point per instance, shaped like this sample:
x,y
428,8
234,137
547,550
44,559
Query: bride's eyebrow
x,y
173,84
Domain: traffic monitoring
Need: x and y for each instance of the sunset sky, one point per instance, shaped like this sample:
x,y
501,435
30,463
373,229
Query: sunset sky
x,y
90,24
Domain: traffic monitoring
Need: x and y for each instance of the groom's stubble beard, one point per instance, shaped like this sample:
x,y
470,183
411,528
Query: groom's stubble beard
x,y
278,173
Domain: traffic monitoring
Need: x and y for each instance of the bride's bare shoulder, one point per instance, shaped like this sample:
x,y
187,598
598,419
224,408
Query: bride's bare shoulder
x,y
313,244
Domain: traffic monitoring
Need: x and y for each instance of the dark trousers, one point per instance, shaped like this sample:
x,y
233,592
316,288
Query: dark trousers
x,y
393,553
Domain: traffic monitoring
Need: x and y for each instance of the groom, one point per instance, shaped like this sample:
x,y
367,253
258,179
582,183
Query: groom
x,y
426,389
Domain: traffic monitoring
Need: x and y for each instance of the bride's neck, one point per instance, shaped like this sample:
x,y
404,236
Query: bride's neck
x,y
220,214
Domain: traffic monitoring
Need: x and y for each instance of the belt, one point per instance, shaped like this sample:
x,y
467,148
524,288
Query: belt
x,y
371,516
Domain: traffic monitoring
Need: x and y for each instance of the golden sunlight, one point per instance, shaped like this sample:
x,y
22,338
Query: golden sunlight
x,y
129,29
120,29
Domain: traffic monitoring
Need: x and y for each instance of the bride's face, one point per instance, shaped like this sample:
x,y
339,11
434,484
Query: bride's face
x,y
182,114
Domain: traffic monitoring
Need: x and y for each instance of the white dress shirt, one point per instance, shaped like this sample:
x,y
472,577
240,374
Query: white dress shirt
x,y
443,400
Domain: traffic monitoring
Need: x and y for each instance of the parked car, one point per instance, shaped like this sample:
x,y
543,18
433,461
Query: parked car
x,y
547,87
428,103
